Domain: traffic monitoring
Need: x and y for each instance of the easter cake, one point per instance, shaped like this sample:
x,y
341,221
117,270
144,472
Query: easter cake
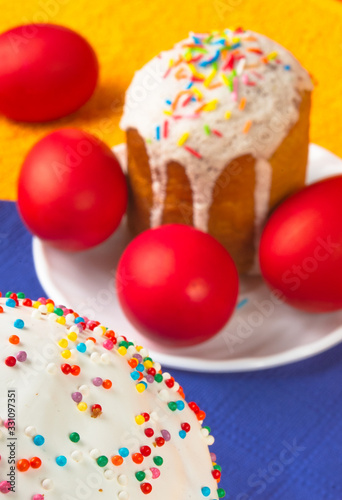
x,y
217,135
87,414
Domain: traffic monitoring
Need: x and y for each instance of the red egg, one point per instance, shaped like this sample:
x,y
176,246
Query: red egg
x,y
72,191
177,285
301,248
46,72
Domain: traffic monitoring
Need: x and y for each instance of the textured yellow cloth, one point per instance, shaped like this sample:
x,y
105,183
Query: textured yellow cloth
x,y
127,33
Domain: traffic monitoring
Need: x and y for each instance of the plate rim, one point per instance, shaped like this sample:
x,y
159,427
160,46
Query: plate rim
x,y
199,364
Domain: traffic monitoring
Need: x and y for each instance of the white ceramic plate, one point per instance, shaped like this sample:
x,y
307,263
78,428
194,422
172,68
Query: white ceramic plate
x,y
260,335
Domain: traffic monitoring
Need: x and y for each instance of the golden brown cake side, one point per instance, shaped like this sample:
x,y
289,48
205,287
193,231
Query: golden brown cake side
x,y
232,211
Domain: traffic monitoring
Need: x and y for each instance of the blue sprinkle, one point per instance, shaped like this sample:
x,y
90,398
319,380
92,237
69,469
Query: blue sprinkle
x,y
241,303
235,45
61,460
168,102
38,440
123,452
210,61
135,375
81,347
197,40
287,67
158,133
79,320
140,367
180,405
19,323
205,491
182,434
10,302
189,85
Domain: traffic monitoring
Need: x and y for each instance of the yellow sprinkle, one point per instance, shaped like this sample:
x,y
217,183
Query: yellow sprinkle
x,y
227,115
210,106
140,419
36,304
66,354
242,103
138,348
198,93
247,126
72,336
195,72
148,364
50,307
272,55
104,329
61,320
82,406
183,138
140,387
236,39
63,343
171,62
168,113
122,350
225,79
210,78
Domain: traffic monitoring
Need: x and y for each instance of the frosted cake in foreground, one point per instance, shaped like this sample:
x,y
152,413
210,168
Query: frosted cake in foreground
x,y
87,414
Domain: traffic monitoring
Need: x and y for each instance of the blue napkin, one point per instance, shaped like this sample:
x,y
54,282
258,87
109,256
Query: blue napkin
x,y
278,432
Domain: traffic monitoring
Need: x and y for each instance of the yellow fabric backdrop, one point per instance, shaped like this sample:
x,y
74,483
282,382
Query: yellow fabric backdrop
x,y
126,33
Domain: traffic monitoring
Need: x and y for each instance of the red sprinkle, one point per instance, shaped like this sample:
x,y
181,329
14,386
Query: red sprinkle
x,y
193,152
10,361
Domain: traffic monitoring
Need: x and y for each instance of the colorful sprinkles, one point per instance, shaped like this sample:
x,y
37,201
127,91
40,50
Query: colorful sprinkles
x,y
83,337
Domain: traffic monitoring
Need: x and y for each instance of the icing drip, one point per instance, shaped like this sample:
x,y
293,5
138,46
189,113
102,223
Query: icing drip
x,y
231,94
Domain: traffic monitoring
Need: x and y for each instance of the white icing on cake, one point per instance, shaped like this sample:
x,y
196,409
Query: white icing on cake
x,y
44,406
272,94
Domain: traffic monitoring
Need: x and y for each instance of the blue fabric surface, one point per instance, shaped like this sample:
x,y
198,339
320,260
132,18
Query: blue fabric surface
x,y
278,432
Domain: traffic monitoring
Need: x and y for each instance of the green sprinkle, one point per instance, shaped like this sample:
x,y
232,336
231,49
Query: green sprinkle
x,y
74,437
172,405
207,129
221,493
158,378
140,475
21,295
218,467
58,311
208,428
102,461
158,460
8,294
124,343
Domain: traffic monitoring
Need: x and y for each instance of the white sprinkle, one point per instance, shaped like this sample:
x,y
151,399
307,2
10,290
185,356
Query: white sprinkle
x,y
70,318
51,368
90,345
109,474
98,331
204,432
84,390
77,455
95,357
95,453
74,328
30,431
47,484
36,314
148,473
175,387
166,376
52,317
122,479
164,395
42,309
123,495
105,358
210,440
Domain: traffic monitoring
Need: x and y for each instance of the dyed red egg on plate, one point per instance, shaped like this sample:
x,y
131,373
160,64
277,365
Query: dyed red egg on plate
x,y
177,285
